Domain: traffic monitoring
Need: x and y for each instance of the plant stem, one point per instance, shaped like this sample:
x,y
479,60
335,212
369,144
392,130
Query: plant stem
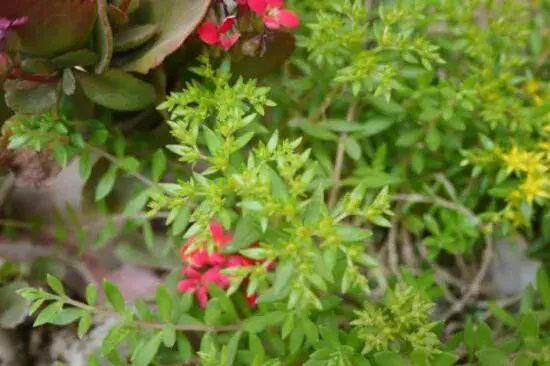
x,y
152,325
116,161
339,160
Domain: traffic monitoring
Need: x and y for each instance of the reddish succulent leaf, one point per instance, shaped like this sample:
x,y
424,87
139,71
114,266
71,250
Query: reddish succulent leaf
x,y
117,16
53,26
103,36
176,20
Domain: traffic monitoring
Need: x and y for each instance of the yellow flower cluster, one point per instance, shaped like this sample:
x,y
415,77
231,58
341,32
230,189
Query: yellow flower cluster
x,y
533,170
533,89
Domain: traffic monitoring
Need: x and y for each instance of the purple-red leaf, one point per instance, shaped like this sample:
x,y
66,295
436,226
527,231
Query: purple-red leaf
x,y
53,26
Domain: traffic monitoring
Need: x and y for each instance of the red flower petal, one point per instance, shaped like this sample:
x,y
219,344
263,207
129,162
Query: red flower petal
x,y
216,259
238,261
216,230
288,18
227,24
277,4
271,22
202,295
216,277
251,300
208,32
187,285
191,273
198,259
231,41
258,6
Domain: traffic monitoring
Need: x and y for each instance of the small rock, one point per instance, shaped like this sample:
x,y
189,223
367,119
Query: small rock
x,y
511,269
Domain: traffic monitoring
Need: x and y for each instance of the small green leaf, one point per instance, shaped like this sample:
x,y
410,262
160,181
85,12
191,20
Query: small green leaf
x,y
529,326
243,140
212,140
106,183
164,303
55,284
232,348
288,326
114,336
146,354
225,303
310,330
375,126
433,139
85,167
137,203
247,232
491,357
349,233
181,220
130,164
48,314
502,315
543,287
184,347
148,235
169,337
445,359
387,358
255,324
114,296
158,165
68,316
213,312
84,324
352,148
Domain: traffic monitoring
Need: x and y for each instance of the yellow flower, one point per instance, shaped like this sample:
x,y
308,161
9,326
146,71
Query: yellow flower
x,y
538,100
532,87
534,186
517,160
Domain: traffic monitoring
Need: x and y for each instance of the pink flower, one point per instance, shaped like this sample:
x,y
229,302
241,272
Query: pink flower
x,y
214,34
273,13
204,268
7,24
200,258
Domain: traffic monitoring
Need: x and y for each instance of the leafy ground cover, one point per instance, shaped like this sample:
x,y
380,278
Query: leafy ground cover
x,y
268,182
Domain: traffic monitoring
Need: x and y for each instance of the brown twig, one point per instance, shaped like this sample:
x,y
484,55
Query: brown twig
x,y
475,287
391,243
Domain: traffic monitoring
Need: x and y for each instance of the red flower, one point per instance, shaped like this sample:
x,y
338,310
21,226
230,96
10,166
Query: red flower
x,y
212,264
199,258
273,13
214,34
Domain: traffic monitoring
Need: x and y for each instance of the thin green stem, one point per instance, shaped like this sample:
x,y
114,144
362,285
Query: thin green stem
x,y
113,159
152,325
339,159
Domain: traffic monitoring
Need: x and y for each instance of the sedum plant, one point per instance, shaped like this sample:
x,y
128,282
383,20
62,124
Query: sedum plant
x,y
329,177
